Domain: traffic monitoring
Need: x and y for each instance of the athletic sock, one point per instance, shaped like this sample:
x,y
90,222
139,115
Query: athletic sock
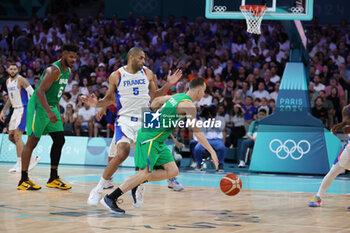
x,y
101,184
53,174
115,194
24,176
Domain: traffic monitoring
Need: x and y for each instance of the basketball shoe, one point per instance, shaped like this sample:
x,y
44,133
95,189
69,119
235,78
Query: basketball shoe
x,y
16,167
136,195
27,185
175,185
315,201
110,205
109,183
58,184
94,197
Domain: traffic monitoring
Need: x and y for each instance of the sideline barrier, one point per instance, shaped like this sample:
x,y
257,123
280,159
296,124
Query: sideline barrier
x,y
76,150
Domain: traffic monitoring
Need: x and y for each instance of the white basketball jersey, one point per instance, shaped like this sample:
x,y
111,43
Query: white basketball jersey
x,y
18,96
132,94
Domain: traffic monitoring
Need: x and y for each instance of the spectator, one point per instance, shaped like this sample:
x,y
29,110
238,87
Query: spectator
x,y
250,141
261,92
215,137
334,98
334,83
75,93
249,110
274,94
206,100
65,100
235,128
316,85
69,119
319,111
85,119
264,105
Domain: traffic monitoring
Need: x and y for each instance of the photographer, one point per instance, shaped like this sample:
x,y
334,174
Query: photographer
x,y
214,135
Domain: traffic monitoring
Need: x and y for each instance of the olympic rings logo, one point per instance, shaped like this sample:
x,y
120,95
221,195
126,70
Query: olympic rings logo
x,y
297,10
220,8
289,150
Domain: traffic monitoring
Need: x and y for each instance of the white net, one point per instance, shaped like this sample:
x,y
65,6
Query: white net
x,y
253,15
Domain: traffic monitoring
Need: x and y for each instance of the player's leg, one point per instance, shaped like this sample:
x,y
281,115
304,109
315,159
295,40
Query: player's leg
x,y
13,125
341,162
37,121
17,166
122,149
55,156
56,133
25,183
110,200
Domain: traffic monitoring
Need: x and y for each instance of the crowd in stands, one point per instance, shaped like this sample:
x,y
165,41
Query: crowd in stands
x,y
243,72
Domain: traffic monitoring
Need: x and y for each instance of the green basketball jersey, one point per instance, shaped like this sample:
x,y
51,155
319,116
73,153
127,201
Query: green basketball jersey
x,y
168,120
55,92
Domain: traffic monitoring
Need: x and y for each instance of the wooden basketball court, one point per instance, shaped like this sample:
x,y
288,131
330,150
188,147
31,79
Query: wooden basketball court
x,y
196,209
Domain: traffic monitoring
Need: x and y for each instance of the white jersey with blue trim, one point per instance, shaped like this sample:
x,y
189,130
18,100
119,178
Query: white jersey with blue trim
x,y
132,94
18,96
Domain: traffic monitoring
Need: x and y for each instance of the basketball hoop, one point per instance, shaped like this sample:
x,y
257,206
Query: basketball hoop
x,y
253,15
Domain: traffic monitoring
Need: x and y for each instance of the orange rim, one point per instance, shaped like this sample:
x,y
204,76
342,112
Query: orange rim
x,y
256,9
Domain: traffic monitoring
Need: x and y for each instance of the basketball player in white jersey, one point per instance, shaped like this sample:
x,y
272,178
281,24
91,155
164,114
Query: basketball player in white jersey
x,y
19,92
341,162
132,87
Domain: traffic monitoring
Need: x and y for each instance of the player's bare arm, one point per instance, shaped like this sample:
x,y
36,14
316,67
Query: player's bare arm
x,y
5,108
188,108
23,83
159,101
109,97
52,73
171,80
345,123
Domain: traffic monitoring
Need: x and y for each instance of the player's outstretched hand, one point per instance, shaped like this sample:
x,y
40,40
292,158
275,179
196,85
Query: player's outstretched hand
x,y
336,127
90,100
215,159
100,114
174,77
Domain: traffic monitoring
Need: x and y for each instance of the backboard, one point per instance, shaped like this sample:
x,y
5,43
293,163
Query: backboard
x,y
277,9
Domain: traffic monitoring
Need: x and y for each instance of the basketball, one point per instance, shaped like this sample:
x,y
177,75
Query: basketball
x,y
231,184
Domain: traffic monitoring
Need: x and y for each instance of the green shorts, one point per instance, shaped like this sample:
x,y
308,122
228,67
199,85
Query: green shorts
x,y
38,123
152,154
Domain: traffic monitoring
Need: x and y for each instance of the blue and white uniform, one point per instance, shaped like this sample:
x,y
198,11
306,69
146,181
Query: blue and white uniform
x,y
132,96
343,157
19,100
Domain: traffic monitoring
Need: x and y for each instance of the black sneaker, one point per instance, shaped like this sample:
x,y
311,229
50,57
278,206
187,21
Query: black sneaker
x,y
110,205
221,167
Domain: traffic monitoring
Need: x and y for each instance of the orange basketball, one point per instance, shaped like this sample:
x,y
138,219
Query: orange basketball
x,y
230,184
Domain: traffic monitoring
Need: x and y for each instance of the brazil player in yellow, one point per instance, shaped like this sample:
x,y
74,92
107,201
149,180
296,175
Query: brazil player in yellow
x,y
150,147
43,117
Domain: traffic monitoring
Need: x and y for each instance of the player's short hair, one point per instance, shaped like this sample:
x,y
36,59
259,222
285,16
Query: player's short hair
x,y
13,64
197,82
70,48
134,51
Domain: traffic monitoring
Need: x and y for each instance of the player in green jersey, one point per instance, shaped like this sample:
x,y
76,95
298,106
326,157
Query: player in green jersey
x,y
150,147
43,117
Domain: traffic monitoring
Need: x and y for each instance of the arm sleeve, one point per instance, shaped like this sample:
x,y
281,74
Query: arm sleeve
x,y
29,90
